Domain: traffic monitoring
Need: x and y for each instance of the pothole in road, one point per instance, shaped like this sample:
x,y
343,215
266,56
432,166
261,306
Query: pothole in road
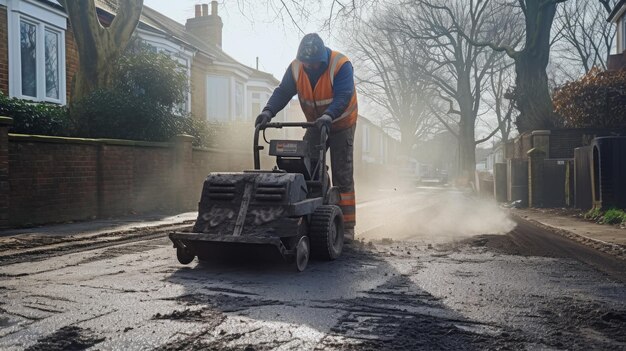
x,y
67,338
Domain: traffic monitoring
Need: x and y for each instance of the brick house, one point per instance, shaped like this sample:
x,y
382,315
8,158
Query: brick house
x,y
618,16
222,89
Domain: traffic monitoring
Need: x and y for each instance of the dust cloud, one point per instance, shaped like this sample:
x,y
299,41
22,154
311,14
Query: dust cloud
x,y
428,214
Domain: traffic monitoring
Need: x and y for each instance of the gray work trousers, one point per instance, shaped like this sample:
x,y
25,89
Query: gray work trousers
x,y
342,166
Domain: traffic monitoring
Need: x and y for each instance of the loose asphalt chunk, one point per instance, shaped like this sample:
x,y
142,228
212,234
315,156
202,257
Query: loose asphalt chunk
x,y
71,338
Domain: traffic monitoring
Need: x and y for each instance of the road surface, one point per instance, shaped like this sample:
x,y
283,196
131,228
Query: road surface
x,y
436,269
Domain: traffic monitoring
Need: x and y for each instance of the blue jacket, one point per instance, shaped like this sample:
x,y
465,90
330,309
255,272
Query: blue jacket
x,y
343,87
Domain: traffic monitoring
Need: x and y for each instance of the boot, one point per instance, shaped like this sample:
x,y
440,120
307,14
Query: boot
x,y
348,234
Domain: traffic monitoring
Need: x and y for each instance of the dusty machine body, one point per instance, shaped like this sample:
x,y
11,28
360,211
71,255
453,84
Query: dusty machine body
x,y
291,208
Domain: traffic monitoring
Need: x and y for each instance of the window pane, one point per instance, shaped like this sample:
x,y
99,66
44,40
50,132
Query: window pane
x,y
218,98
52,65
28,43
239,101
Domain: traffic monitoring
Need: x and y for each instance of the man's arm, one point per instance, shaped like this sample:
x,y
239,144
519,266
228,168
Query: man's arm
x,y
282,94
343,87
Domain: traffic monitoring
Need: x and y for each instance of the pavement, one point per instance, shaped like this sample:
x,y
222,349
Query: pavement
x,y
606,238
102,226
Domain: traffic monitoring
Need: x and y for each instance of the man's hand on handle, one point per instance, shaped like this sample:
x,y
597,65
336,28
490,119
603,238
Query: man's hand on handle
x,y
263,118
324,121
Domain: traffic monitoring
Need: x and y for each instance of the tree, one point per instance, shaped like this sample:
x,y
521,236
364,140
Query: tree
x,y
387,76
531,93
99,47
499,81
597,100
457,69
583,38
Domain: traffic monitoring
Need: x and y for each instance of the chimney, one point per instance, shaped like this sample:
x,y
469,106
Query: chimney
x,y
205,26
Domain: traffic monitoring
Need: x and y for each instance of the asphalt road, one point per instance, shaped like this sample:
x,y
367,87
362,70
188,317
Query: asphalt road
x,y
436,270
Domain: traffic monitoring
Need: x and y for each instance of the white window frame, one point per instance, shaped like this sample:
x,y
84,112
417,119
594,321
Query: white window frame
x,y
241,105
46,19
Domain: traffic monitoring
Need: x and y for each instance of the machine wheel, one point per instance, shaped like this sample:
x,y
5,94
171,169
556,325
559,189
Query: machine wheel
x,y
303,250
184,256
326,232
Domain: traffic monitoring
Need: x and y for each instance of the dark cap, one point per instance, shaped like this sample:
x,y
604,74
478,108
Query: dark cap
x,y
311,49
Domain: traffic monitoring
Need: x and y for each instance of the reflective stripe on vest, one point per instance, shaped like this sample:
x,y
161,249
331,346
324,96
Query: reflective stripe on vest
x,y
333,68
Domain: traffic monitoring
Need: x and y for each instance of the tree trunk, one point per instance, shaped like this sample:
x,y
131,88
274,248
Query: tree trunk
x,y
467,141
406,143
467,149
99,47
532,95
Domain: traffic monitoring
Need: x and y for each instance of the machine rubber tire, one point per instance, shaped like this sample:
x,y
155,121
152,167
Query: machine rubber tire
x,y
184,256
326,232
303,251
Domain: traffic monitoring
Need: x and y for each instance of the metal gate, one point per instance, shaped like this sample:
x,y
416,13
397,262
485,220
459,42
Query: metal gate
x,y
558,183
582,178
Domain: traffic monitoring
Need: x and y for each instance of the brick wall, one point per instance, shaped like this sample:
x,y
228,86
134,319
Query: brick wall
x,y
115,182
135,178
4,52
71,59
152,178
53,179
564,141
4,172
524,144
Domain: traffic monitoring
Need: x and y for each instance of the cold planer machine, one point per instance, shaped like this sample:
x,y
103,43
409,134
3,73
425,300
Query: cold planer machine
x,y
291,208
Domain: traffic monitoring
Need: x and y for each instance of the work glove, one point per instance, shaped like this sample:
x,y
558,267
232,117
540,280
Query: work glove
x,y
263,118
324,121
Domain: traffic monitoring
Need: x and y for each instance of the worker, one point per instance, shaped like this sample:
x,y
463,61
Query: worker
x,y
324,82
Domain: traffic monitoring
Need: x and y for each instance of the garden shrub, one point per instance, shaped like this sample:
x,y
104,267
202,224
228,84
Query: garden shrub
x,y
35,118
597,100
145,102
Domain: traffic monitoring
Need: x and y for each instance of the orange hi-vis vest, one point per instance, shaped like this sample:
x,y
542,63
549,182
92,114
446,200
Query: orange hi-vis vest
x,y
315,101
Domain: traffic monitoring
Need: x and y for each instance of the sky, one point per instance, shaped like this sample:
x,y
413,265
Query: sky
x,y
251,29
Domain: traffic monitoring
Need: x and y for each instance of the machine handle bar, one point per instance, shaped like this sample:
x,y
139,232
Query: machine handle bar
x,y
278,125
